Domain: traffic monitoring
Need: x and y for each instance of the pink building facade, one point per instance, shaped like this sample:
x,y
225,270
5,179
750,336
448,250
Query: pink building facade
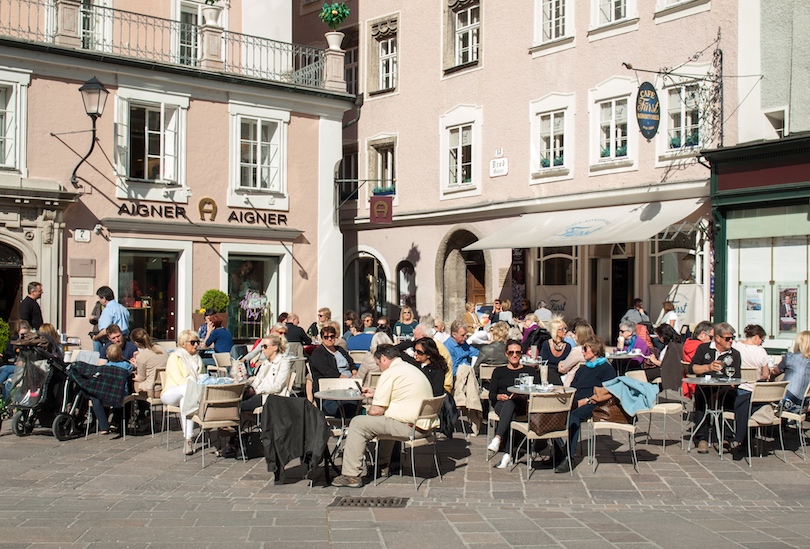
x,y
508,140
213,166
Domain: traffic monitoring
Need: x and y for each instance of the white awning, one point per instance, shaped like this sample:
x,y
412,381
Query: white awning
x,y
629,223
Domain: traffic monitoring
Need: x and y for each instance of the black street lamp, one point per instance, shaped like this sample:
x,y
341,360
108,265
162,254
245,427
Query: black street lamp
x,y
94,97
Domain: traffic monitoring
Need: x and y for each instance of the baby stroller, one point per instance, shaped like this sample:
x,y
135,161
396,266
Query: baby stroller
x,y
39,388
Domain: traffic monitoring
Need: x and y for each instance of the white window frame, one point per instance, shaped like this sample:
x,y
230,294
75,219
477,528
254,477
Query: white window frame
x,y
552,104
15,84
544,44
248,197
264,156
671,10
99,36
166,187
613,90
388,63
351,69
684,100
186,6
457,118
691,75
605,22
381,152
617,146
472,32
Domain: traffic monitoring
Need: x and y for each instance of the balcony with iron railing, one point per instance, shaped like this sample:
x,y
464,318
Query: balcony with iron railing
x,y
71,24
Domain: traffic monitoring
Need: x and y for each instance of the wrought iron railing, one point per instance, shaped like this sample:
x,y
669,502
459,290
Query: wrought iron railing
x,y
148,38
31,20
272,60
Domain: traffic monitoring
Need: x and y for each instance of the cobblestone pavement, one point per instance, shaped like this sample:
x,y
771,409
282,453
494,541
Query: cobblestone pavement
x,y
104,492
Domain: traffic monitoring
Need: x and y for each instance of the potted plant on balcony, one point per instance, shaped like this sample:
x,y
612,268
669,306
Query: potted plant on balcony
x,y
334,16
210,12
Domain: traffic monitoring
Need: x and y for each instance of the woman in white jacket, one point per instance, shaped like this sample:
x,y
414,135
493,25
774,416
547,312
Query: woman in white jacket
x,y
272,375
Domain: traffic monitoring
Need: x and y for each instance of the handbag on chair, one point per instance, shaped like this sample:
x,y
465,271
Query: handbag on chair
x,y
611,411
549,422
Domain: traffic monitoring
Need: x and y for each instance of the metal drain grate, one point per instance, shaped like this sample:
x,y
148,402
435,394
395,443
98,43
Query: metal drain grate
x,y
369,502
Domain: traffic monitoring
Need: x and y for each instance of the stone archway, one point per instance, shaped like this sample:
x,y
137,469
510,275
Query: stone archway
x,y
452,272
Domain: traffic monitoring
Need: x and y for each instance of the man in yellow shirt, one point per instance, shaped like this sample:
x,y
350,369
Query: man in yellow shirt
x,y
396,403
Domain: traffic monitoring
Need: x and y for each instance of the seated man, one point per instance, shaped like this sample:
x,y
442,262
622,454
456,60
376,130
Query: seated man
x,y
461,351
116,337
712,359
395,405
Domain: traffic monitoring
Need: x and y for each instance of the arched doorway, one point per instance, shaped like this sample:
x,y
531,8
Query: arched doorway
x,y
365,286
460,276
11,262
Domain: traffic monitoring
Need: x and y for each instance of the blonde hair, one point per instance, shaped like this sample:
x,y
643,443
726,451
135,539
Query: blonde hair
x,y
802,344
506,305
327,313
668,306
184,336
531,317
402,312
583,332
556,322
499,331
378,339
277,340
114,353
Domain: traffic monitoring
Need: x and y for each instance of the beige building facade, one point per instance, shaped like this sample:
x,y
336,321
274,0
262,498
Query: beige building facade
x,y
212,166
508,140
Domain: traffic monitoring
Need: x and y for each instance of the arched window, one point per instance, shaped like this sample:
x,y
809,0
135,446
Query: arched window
x,y
406,284
365,286
558,265
676,256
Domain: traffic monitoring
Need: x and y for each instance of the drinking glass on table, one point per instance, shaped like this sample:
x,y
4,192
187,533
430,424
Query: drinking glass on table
x,y
544,374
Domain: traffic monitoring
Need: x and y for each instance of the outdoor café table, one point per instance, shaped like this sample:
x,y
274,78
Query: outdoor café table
x,y
537,390
714,404
621,361
344,395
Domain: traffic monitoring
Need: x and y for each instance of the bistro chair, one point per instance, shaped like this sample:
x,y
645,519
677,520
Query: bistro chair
x,y
553,406
629,428
662,409
430,411
219,409
222,363
799,418
765,395
357,356
167,411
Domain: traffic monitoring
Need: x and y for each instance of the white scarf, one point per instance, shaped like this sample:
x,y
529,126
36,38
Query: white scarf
x,y
193,363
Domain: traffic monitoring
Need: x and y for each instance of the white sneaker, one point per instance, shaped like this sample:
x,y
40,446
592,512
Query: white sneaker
x,y
505,461
495,445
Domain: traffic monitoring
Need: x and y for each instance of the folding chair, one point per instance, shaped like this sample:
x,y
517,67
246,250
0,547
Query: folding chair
x,y
557,404
219,408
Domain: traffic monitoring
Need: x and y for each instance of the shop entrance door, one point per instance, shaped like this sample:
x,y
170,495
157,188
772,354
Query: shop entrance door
x,y
476,269
612,283
10,281
147,287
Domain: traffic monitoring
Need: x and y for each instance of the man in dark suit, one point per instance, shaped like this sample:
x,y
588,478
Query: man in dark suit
x,y
295,333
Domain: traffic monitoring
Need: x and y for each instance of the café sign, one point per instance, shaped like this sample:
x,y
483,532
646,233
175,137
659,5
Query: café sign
x,y
648,110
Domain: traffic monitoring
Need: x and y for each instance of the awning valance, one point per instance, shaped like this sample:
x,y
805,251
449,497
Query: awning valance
x,y
628,223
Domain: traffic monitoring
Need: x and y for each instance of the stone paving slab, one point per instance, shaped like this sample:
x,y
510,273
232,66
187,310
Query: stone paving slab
x,y
103,492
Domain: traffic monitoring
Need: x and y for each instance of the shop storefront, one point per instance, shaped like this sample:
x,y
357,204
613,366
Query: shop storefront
x,y
760,202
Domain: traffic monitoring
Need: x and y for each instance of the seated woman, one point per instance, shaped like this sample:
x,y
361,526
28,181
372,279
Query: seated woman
x,y
55,341
627,331
148,361
328,360
470,318
406,323
218,338
796,367
271,375
556,349
183,364
508,405
19,328
115,357
593,374
752,356
530,324
369,365
568,367
432,363
494,352
670,368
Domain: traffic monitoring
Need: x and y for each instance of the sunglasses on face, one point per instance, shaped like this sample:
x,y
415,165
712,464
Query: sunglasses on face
x,y
194,342
418,352
513,353
332,336
265,346
320,315
726,338
586,348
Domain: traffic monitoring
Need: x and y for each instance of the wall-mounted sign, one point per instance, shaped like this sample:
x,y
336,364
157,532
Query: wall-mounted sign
x,y
208,212
498,167
381,210
170,211
648,110
81,235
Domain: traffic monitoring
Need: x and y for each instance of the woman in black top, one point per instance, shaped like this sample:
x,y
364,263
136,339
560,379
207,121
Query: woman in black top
x,y
593,374
508,405
431,362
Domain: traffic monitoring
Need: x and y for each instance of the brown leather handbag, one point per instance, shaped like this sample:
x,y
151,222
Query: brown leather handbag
x,y
611,411
549,422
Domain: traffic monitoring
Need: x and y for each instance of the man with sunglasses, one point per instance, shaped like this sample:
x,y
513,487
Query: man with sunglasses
x,y
712,358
